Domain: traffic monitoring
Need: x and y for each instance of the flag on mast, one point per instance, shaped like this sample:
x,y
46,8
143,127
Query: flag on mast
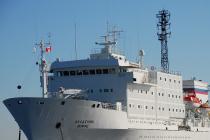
x,y
48,49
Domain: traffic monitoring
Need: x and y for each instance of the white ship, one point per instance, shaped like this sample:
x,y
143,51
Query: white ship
x,y
107,97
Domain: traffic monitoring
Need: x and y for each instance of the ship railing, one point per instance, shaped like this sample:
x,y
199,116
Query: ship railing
x,y
113,50
157,69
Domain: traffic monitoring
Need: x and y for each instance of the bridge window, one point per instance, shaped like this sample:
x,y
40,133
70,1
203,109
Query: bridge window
x,y
105,71
98,71
85,72
79,72
72,73
92,72
66,73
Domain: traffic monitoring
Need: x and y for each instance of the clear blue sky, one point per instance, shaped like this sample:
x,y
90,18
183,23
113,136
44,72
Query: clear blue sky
x,y
25,22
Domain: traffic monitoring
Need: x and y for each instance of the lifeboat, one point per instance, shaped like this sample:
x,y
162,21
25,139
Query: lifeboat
x,y
193,100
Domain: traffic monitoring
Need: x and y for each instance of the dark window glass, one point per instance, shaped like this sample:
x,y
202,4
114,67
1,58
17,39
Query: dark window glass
x,y
134,79
106,90
98,71
92,72
85,72
72,72
105,71
79,72
66,73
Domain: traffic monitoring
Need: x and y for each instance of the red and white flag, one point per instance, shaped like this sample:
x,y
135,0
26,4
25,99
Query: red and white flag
x,y
48,49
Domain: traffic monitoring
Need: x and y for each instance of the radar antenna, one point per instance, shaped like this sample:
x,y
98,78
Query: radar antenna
x,y
141,59
110,39
163,33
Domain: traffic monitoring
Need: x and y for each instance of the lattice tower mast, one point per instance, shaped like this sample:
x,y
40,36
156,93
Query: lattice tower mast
x,y
163,33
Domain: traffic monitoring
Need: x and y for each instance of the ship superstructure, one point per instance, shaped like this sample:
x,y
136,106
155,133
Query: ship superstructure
x,y
109,97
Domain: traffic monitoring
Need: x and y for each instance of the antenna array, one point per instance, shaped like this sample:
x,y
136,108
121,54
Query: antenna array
x,y
163,33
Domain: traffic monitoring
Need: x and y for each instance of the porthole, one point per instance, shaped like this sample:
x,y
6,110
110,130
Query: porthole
x,y
93,106
20,102
63,102
41,102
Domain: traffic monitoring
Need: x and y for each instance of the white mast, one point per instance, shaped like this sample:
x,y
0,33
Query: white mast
x,y
43,68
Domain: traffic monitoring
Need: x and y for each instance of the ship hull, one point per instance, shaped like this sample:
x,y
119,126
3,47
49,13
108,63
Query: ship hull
x,y
58,119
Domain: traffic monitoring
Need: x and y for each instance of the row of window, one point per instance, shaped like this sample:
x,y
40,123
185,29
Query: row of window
x,y
170,80
86,72
159,108
160,94
100,90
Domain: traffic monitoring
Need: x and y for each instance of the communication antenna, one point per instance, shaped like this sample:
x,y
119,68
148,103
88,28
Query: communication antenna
x,y
163,26
114,33
75,40
43,67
